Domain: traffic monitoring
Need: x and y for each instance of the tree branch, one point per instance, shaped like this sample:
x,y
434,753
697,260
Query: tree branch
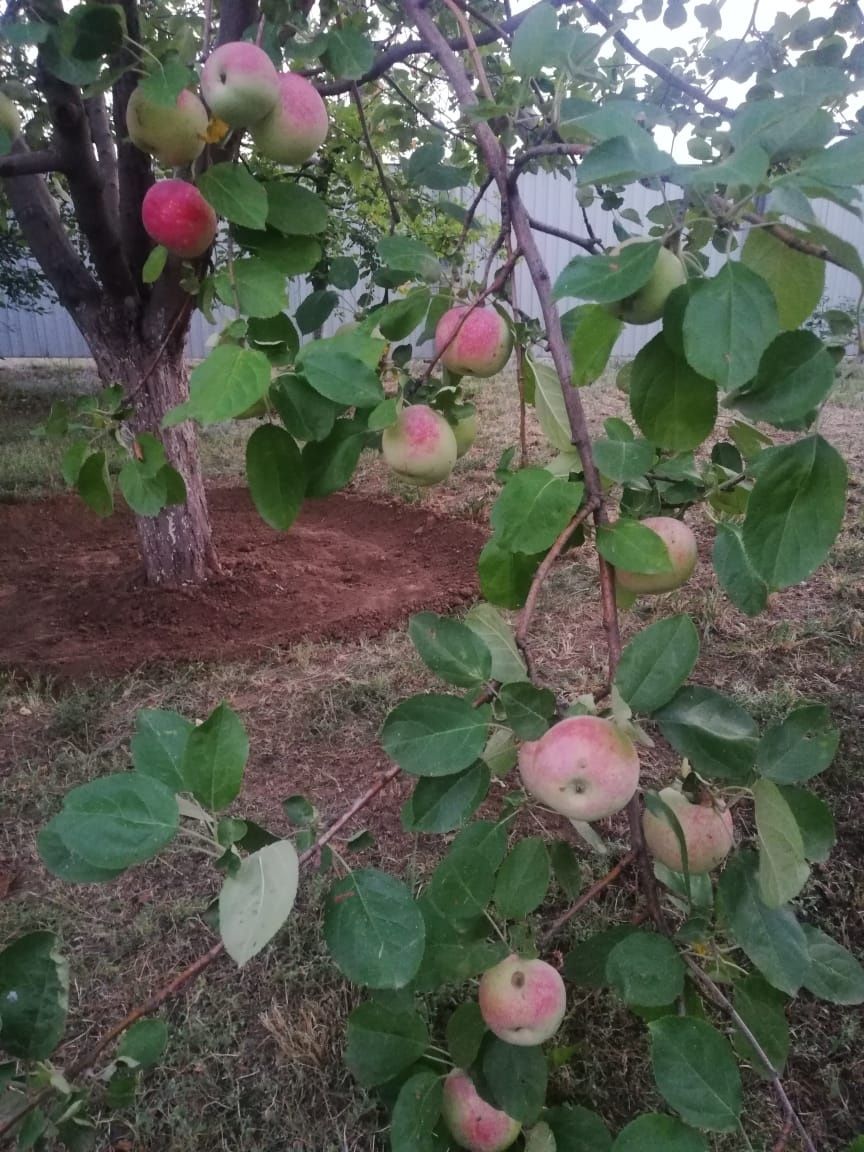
x,y
103,141
23,162
383,178
792,240
590,244
134,168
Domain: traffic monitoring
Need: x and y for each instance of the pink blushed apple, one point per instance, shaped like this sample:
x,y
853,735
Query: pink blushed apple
x,y
481,347
240,83
175,214
474,1124
175,135
585,768
522,1001
296,126
420,447
683,552
708,833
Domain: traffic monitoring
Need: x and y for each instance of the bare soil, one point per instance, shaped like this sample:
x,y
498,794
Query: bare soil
x,y
73,600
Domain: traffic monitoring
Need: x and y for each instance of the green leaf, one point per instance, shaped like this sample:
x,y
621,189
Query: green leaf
x,y
416,1112
450,649
344,272
274,469
585,964
523,879
294,210
292,255
834,973
216,754
154,265
116,821
73,459
623,460
500,752
507,664
383,1041
159,745
633,546
608,277
144,1043
695,1070
656,662
795,375
577,1129
425,167
533,509
505,577
234,193
762,1008
444,803
408,259
330,464
728,324
93,30
223,386
335,368
797,280
516,1077
349,53
462,884
306,414
783,871
714,733
94,484
456,950
736,575
34,996
146,492
374,930
549,404
255,901
435,735
591,332
529,710
70,866
795,511
654,1132
815,822
565,865
164,83
645,969
534,41
673,405
314,311
623,159
801,747
771,937
839,166
466,1029
253,287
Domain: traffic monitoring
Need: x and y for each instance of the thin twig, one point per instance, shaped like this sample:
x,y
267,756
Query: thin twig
x,y
527,613
588,895
473,50
383,179
406,99
539,151
792,240
589,243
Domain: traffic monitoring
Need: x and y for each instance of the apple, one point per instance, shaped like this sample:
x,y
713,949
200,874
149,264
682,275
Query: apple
x,y
10,121
683,552
522,1001
708,833
176,215
465,431
482,345
175,135
240,83
585,768
296,126
420,447
474,1124
646,305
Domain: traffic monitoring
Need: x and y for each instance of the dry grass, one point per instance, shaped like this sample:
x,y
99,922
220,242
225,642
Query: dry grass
x,y
254,1060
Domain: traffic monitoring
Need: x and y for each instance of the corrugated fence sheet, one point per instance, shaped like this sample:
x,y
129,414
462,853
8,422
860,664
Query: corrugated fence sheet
x,y
550,199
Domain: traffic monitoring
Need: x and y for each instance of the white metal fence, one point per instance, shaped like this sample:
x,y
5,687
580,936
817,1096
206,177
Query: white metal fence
x,y
550,199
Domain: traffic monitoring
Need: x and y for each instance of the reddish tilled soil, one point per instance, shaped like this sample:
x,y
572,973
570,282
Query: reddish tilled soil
x,y
73,602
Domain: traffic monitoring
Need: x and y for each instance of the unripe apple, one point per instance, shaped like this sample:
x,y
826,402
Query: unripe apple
x,y
240,83
420,447
585,768
10,121
683,552
646,305
708,833
474,1124
465,431
175,135
296,126
482,345
522,1001
176,215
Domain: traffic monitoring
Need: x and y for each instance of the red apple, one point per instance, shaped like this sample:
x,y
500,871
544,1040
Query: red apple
x,y
474,1124
297,125
708,833
522,1001
420,447
240,83
683,552
175,135
481,347
176,215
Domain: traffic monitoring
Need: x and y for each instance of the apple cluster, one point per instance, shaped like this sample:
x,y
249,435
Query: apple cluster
x,y
242,89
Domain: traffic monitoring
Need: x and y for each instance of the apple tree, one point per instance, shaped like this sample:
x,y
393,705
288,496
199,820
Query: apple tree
x,y
723,436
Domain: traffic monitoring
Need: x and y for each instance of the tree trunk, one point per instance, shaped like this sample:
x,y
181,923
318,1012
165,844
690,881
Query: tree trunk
x,y
176,545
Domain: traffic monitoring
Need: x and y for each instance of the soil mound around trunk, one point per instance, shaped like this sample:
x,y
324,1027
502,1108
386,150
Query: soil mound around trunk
x,y
73,601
